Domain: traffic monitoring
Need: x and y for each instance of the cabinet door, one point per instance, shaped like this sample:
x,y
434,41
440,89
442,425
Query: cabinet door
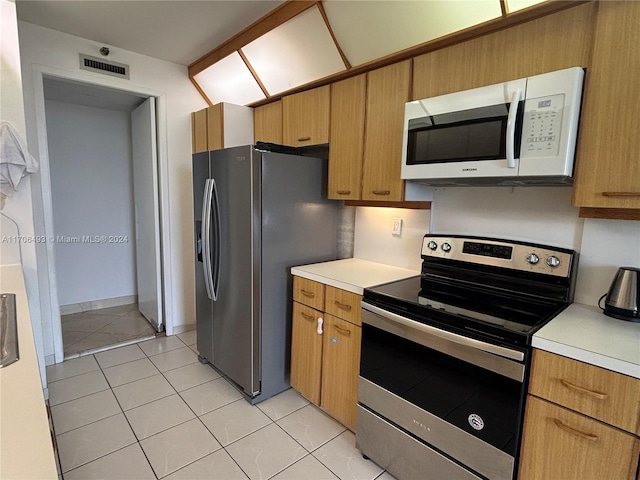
x,y
267,123
340,367
520,51
608,169
305,117
348,101
215,139
306,352
199,131
559,443
387,92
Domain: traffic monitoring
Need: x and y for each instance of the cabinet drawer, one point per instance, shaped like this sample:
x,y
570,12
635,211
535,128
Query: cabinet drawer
x,y
559,443
308,292
343,304
602,394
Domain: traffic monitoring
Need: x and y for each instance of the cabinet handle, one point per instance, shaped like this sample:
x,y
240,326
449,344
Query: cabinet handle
x,y
591,393
307,293
343,306
573,431
306,316
381,192
320,322
343,192
304,139
621,194
343,331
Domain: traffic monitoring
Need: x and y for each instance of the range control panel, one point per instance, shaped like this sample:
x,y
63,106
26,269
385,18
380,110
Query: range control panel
x,y
500,253
542,126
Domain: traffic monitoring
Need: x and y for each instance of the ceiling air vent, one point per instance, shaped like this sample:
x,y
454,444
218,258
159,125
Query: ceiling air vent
x,y
94,64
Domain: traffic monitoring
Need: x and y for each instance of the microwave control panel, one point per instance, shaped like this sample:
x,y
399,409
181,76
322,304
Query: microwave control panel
x,y
542,126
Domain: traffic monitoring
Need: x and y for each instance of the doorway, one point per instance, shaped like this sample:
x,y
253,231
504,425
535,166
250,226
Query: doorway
x,y
103,169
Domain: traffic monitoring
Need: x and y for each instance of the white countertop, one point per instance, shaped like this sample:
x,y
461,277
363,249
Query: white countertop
x,y
353,274
26,451
584,333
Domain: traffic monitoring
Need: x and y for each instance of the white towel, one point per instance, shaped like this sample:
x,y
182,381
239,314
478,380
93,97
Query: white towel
x,y
15,160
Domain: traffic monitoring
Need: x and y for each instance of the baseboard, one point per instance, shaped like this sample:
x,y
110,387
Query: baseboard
x,y
97,304
177,329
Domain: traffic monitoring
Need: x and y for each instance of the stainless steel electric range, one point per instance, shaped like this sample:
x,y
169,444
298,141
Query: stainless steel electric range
x,y
445,356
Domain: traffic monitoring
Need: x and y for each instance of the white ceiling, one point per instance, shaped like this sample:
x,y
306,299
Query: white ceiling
x,y
176,31
90,95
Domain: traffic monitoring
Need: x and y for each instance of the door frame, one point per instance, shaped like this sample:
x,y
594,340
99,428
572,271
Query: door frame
x,y
45,251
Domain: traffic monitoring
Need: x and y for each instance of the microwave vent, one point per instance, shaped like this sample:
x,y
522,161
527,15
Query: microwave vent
x,y
97,65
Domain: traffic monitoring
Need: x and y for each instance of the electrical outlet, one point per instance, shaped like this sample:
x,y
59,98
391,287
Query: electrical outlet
x,y
396,228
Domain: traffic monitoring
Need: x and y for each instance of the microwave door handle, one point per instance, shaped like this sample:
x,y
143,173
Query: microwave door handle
x,y
511,128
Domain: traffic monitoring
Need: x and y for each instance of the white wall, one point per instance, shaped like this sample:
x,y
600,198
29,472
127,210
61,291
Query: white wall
x,y
19,206
373,240
92,191
536,214
56,54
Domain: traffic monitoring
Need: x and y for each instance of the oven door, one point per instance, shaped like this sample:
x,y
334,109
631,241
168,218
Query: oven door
x,y
474,133
451,403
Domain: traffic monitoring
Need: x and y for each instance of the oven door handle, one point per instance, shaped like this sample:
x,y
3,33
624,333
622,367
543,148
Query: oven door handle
x,y
452,337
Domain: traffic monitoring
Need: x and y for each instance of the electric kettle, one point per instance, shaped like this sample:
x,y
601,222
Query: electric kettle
x,y
623,297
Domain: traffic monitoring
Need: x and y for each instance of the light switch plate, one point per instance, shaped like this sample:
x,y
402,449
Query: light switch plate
x,y
396,228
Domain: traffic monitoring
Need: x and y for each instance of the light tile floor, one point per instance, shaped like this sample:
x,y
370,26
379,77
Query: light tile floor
x,y
95,329
151,410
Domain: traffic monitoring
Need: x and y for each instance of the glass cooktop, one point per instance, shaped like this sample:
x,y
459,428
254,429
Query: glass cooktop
x,y
453,306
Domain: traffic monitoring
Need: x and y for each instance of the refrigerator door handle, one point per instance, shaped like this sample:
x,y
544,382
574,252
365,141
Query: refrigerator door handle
x,y
206,236
215,268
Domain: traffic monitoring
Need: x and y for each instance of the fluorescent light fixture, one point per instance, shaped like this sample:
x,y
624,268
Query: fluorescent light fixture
x,y
515,5
295,53
229,80
368,30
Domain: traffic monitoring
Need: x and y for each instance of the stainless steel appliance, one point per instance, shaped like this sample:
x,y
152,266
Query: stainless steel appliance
x,y
257,214
445,356
623,298
477,137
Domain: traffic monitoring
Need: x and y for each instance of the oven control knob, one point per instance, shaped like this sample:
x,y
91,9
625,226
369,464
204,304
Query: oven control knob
x,y
532,258
553,261
432,245
446,247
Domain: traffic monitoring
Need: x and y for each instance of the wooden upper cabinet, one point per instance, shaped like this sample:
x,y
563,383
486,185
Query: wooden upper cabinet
x,y
387,93
199,131
267,123
554,42
305,117
608,156
220,126
348,103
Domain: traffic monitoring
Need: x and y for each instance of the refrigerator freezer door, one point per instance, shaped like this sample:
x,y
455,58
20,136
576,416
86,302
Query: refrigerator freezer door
x,y
204,323
236,327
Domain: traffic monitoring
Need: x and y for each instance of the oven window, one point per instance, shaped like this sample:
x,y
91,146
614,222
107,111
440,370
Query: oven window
x,y
458,392
476,134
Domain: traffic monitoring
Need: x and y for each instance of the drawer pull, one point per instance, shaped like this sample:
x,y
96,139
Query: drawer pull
x,y
381,192
573,431
591,393
621,194
306,316
304,139
343,306
343,331
307,293
344,192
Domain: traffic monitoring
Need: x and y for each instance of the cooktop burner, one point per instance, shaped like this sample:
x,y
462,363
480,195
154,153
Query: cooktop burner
x,y
483,287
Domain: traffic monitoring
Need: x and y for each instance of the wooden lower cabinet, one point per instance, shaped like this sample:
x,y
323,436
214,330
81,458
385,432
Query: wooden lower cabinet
x,y
325,361
558,443
340,366
306,352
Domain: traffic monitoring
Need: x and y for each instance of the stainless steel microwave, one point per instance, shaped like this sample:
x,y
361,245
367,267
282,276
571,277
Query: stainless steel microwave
x,y
478,137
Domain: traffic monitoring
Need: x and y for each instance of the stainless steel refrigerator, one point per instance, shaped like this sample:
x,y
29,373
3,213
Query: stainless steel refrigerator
x,y
257,214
